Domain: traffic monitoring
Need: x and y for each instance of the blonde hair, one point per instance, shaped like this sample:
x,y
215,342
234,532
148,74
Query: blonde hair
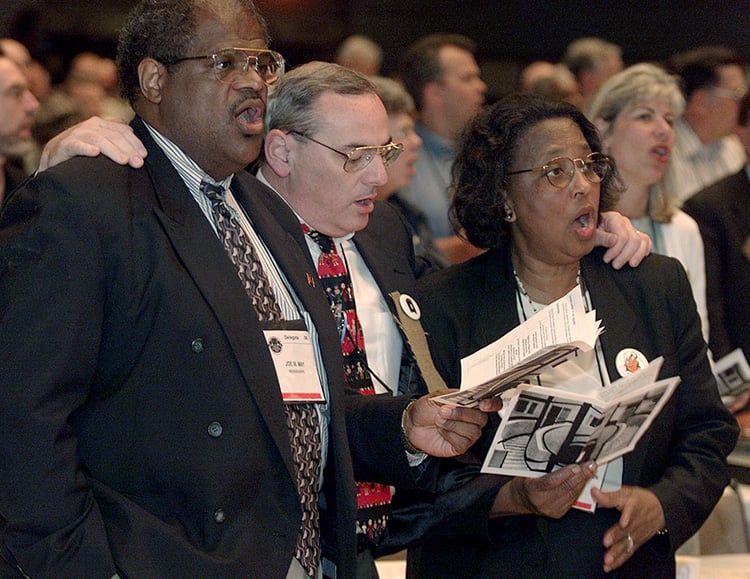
x,y
637,83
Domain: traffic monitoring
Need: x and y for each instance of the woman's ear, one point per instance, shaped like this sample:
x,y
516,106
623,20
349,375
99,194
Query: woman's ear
x,y
509,214
279,149
152,76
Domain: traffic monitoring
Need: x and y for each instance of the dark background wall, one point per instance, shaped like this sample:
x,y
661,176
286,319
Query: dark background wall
x,y
509,33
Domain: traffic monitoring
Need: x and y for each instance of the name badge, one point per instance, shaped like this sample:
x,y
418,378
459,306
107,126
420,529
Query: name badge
x,y
294,361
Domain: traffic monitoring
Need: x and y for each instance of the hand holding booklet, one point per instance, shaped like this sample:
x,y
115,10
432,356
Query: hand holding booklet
x,y
544,428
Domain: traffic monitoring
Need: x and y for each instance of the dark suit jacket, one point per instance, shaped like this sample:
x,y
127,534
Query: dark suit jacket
x,y
14,176
681,458
723,215
387,250
141,423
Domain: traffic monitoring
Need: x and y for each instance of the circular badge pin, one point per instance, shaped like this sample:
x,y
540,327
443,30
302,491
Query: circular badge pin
x,y
630,360
409,306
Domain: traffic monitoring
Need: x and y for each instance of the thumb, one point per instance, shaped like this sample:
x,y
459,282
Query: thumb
x,y
608,500
604,239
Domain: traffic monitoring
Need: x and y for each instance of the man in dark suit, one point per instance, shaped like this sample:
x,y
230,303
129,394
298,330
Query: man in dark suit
x,y
142,420
723,215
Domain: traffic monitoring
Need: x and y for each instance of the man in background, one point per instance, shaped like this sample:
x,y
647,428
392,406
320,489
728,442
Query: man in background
x,y
360,53
592,61
722,212
443,78
706,148
17,106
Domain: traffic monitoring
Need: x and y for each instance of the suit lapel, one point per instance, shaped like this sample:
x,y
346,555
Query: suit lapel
x,y
620,320
390,270
205,260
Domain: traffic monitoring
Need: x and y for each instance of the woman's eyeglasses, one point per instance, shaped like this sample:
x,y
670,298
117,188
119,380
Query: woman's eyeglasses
x,y
561,170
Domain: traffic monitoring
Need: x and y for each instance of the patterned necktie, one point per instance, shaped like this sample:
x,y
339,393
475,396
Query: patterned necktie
x,y
373,499
302,419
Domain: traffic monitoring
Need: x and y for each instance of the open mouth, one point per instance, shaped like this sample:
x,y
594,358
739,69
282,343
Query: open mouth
x,y
585,224
366,203
250,115
660,153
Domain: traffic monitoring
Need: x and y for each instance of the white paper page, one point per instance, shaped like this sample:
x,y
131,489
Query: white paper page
x,y
561,322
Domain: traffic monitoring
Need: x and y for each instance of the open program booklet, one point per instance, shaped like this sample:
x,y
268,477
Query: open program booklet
x,y
544,428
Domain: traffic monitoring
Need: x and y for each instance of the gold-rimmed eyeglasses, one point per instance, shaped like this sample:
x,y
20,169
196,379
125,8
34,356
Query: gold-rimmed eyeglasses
x,y
231,63
561,170
359,157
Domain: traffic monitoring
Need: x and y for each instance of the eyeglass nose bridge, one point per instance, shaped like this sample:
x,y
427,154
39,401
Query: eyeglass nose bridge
x,y
586,169
250,61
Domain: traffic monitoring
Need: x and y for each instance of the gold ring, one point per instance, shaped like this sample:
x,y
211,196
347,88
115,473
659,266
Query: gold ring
x,y
629,544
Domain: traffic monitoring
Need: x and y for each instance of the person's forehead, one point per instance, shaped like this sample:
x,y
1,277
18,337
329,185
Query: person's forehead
x,y
16,51
456,58
363,113
551,138
10,74
731,75
227,25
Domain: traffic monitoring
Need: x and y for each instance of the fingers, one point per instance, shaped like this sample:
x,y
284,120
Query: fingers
x,y
491,405
620,552
555,493
442,430
640,519
626,244
92,137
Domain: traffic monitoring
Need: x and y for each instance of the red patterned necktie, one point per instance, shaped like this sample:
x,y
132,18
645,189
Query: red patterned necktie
x,y
302,420
373,499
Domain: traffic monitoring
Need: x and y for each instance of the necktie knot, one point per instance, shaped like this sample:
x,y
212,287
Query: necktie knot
x,y
324,241
215,193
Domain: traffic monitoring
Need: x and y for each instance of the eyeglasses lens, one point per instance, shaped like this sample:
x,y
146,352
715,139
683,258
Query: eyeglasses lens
x,y
361,157
560,172
229,64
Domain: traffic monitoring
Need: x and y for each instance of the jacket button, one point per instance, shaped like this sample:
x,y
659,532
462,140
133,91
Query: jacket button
x,y
219,516
215,429
197,345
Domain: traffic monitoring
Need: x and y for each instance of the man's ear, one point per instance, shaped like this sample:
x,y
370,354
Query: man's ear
x,y
431,93
152,75
279,149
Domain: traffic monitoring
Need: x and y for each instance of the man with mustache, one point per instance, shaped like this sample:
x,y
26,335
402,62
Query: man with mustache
x,y
154,326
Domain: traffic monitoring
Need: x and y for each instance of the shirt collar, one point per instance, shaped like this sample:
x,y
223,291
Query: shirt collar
x,y
263,180
189,170
434,143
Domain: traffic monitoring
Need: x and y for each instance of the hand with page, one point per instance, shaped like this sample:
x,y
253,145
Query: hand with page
x,y
552,495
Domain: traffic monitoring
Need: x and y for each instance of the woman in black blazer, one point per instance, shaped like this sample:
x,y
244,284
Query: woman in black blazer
x,y
529,186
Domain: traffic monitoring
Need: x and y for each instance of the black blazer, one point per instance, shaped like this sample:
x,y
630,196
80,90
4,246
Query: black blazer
x,y
723,215
142,426
682,458
388,251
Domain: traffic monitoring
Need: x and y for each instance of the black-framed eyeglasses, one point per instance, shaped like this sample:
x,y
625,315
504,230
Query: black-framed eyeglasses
x,y
736,94
359,157
232,63
561,170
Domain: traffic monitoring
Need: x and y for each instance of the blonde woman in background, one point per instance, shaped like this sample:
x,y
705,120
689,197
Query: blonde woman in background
x,y
634,111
